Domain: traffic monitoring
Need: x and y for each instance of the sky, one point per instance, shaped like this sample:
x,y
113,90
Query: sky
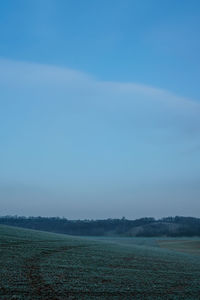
x,y
100,108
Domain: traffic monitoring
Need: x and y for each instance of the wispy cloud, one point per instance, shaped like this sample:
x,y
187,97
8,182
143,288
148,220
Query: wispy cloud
x,y
144,105
20,72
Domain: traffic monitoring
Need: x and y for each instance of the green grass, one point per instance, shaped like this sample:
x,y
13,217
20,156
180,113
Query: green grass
x,y
40,265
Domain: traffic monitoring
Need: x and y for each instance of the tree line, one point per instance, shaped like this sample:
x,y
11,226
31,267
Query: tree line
x,y
143,227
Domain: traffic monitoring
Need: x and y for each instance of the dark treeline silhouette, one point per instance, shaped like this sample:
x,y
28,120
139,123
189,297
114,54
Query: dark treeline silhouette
x,y
144,227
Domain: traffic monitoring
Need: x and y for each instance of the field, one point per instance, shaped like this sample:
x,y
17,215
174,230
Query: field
x,y
40,265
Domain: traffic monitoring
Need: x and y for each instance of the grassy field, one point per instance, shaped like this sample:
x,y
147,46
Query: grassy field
x,y
40,265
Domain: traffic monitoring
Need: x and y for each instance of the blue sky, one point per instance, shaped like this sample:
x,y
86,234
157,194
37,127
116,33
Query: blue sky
x,y
100,108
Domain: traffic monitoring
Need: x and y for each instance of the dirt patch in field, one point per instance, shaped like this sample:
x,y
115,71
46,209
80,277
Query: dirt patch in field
x,y
40,288
187,246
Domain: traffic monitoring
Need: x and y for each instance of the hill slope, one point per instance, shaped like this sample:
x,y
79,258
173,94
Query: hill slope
x,y
39,265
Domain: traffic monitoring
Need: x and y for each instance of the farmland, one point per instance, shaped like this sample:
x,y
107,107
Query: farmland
x,y
41,265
